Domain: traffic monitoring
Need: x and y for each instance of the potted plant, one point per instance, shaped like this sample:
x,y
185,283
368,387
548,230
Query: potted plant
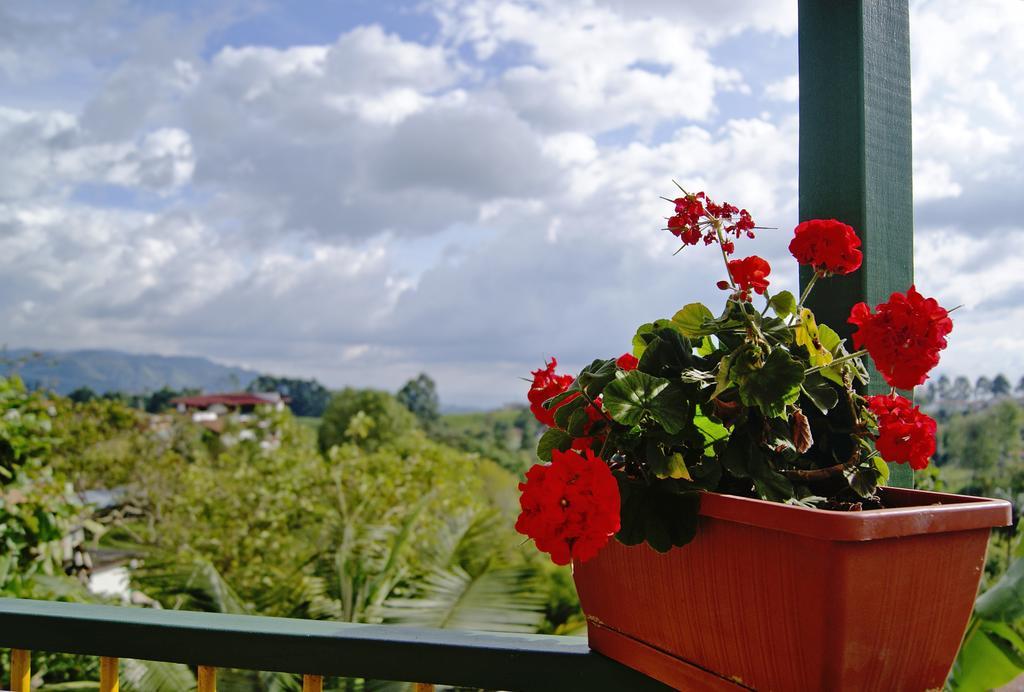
x,y
741,471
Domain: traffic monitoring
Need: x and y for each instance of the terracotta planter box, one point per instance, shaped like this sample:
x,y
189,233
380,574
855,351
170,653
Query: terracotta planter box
x,y
777,597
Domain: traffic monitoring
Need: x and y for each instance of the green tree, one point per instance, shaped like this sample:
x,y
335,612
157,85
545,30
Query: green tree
x,y
366,417
82,395
943,386
307,398
1001,386
410,532
927,394
37,510
419,395
982,388
987,442
961,389
160,400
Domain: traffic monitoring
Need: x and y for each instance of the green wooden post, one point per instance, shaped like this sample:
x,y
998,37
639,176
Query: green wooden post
x,y
855,149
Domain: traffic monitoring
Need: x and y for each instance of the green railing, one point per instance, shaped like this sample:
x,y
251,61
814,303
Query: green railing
x,y
313,648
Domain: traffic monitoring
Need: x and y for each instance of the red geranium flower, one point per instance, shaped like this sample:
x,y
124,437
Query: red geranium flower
x,y
627,361
905,435
694,216
546,384
903,336
570,508
828,245
750,273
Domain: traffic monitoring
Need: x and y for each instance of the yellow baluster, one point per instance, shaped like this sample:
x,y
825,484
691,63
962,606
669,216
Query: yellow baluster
x,y
207,679
312,683
21,670
108,674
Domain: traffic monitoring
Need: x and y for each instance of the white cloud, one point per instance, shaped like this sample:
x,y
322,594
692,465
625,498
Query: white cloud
x,y
47,152
589,67
368,207
786,90
967,90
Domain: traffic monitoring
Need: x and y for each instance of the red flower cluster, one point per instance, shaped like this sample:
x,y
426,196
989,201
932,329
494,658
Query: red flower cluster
x,y
570,508
905,435
749,273
903,336
828,245
693,217
546,384
627,361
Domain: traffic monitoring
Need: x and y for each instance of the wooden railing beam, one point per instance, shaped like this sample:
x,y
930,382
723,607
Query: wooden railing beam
x,y
379,652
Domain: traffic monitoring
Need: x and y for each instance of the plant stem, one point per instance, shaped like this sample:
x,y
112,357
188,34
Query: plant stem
x,y
807,292
837,361
822,474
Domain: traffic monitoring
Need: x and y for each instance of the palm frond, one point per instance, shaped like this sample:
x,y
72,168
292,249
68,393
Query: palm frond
x,y
59,587
155,676
280,682
496,600
196,585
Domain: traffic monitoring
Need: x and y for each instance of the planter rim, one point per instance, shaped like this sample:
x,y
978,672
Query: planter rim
x,y
915,512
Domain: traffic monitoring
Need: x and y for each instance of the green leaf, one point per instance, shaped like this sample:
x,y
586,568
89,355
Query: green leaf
x,y
551,440
677,468
863,481
1004,602
672,409
707,347
595,376
634,395
883,470
777,330
565,411
769,483
691,320
784,304
821,393
774,385
706,472
710,429
737,455
666,465
664,520
629,397
639,344
993,651
828,338
632,507
987,660
578,423
668,354
833,373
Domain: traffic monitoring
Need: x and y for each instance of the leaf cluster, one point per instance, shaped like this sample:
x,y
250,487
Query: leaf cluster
x,y
756,403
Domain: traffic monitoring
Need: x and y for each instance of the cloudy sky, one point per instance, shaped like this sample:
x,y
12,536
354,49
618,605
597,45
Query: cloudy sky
x,y
360,190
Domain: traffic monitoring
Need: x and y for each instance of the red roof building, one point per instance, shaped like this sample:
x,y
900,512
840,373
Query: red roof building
x,y
244,401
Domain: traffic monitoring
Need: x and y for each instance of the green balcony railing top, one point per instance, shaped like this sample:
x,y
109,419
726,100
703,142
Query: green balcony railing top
x,y
381,652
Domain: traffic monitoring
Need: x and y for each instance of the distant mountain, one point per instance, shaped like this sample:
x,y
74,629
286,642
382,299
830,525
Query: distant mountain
x,y
133,373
